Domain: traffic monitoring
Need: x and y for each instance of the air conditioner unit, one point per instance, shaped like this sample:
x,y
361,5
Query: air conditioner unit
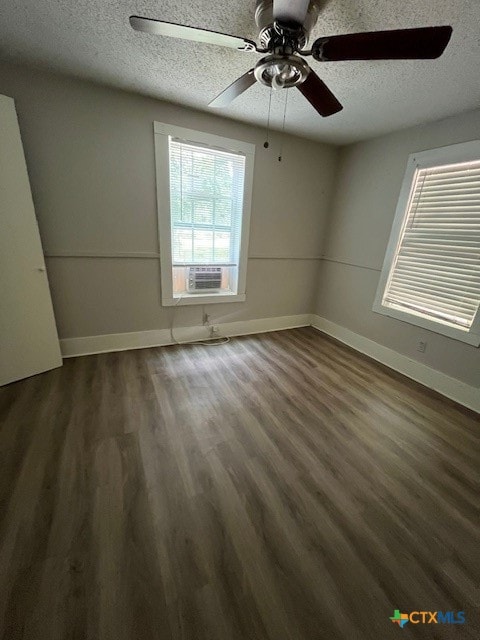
x,y
202,279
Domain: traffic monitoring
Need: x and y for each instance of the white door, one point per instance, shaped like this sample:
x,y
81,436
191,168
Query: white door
x,y
28,335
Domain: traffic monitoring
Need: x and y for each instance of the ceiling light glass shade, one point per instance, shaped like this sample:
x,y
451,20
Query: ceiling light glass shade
x,y
278,83
281,72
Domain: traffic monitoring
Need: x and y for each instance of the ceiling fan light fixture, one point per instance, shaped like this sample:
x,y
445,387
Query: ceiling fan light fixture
x,y
281,72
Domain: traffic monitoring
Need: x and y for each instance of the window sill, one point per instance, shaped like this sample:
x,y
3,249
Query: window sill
x,y
203,298
425,323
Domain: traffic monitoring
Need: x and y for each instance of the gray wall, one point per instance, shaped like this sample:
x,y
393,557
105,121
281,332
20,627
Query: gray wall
x,y
367,187
90,156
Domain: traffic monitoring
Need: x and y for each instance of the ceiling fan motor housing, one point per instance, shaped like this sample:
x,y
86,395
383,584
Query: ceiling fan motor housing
x,y
283,69
268,34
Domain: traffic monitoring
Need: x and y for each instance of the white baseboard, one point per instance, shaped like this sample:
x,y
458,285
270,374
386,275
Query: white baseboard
x,y
451,387
161,337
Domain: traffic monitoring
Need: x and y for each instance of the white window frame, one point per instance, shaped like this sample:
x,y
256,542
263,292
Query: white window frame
x,y
162,132
464,152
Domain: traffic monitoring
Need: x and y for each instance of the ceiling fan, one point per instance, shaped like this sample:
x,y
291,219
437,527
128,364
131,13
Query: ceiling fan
x,y
284,29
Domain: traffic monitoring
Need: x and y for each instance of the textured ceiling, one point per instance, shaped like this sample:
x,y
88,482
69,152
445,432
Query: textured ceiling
x,y
92,39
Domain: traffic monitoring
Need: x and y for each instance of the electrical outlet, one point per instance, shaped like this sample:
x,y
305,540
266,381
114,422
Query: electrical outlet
x,y
421,346
214,331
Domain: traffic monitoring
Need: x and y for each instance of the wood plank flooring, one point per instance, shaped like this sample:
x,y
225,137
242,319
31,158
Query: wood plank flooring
x,y
277,487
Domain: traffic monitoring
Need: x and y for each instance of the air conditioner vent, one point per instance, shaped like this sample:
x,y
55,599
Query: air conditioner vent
x,y
201,279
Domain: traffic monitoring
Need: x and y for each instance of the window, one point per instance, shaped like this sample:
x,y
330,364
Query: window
x,y
431,273
204,188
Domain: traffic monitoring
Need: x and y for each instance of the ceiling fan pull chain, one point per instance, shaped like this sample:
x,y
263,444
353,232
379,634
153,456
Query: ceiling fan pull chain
x,y
266,144
283,125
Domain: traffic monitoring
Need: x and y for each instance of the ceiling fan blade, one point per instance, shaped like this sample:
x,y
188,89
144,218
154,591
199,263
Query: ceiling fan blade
x,y
290,10
234,90
172,30
401,44
319,95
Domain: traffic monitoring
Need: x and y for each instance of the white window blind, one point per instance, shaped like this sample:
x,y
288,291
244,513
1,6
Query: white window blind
x,y
436,268
206,204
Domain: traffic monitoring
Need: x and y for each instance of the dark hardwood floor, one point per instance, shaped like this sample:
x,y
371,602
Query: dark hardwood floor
x,y
277,487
